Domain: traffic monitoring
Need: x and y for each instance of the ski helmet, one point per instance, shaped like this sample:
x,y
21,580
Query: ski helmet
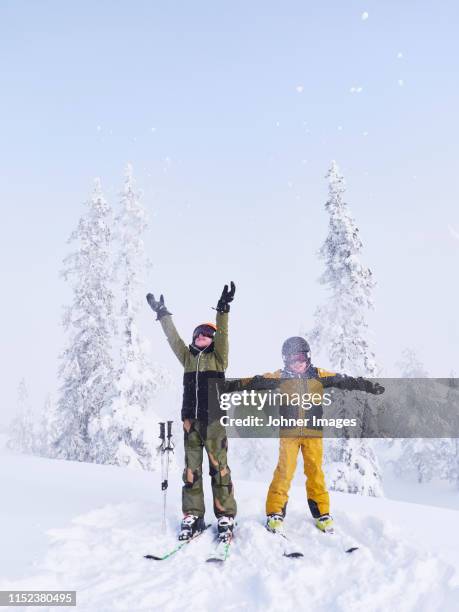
x,y
206,329
296,346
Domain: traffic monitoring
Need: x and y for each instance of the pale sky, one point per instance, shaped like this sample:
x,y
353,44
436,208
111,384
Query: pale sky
x,y
231,114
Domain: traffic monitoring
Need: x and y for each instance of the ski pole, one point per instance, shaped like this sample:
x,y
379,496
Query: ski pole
x,y
161,449
162,432
165,449
170,446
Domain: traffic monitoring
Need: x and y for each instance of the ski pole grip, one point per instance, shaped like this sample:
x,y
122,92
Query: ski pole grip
x,y
162,431
169,429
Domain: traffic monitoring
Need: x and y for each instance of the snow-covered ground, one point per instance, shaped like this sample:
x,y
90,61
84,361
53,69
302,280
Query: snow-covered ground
x,y
86,527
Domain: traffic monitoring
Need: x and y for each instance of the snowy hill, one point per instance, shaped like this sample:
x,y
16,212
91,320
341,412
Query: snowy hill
x,y
85,527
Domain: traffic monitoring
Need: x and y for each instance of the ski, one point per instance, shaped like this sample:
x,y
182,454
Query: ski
x,y
338,540
289,548
221,551
293,551
176,549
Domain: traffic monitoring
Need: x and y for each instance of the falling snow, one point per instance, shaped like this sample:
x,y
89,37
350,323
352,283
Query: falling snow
x,y
454,233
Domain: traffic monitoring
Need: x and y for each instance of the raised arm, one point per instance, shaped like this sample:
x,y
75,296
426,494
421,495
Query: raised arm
x,y
164,317
221,339
221,335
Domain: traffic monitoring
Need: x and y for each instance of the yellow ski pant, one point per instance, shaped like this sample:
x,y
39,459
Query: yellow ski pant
x,y
316,490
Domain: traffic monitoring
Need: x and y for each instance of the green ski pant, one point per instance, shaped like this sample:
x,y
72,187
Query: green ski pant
x,y
213,439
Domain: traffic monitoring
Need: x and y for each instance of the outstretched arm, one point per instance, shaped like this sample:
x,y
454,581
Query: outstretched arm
x,y
263,382
348,383
164,317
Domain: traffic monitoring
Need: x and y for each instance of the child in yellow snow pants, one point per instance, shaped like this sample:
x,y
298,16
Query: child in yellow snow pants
x,y
316,490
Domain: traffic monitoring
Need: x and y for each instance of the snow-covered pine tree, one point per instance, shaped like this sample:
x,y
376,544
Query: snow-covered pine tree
x,y
341,333
21,431
133,426
48,432
453,462
452,469
427,458
340,325
254,456
86,369
409,365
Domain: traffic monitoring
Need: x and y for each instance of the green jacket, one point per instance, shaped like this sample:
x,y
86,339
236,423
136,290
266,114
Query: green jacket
x,y
203,369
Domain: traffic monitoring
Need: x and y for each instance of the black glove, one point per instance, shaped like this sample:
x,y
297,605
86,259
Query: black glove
x,y
375,388
158,307
226,297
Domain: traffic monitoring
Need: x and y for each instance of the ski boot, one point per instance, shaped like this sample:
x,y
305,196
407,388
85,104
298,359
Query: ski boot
x,y
325,523
225,526
191,525
274,523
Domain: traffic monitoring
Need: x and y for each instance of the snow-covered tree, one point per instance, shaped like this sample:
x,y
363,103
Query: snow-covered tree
x,y
254,455
427,458
409,365
452,471
352,467
340,327
47,429
132,423
341,334
452,464
21,431
86,368
416,455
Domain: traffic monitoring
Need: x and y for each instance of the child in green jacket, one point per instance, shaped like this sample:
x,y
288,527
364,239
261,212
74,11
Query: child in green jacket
x,y
204,361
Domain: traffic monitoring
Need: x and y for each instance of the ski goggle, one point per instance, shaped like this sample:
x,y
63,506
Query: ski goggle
x,y
204,330
298,357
